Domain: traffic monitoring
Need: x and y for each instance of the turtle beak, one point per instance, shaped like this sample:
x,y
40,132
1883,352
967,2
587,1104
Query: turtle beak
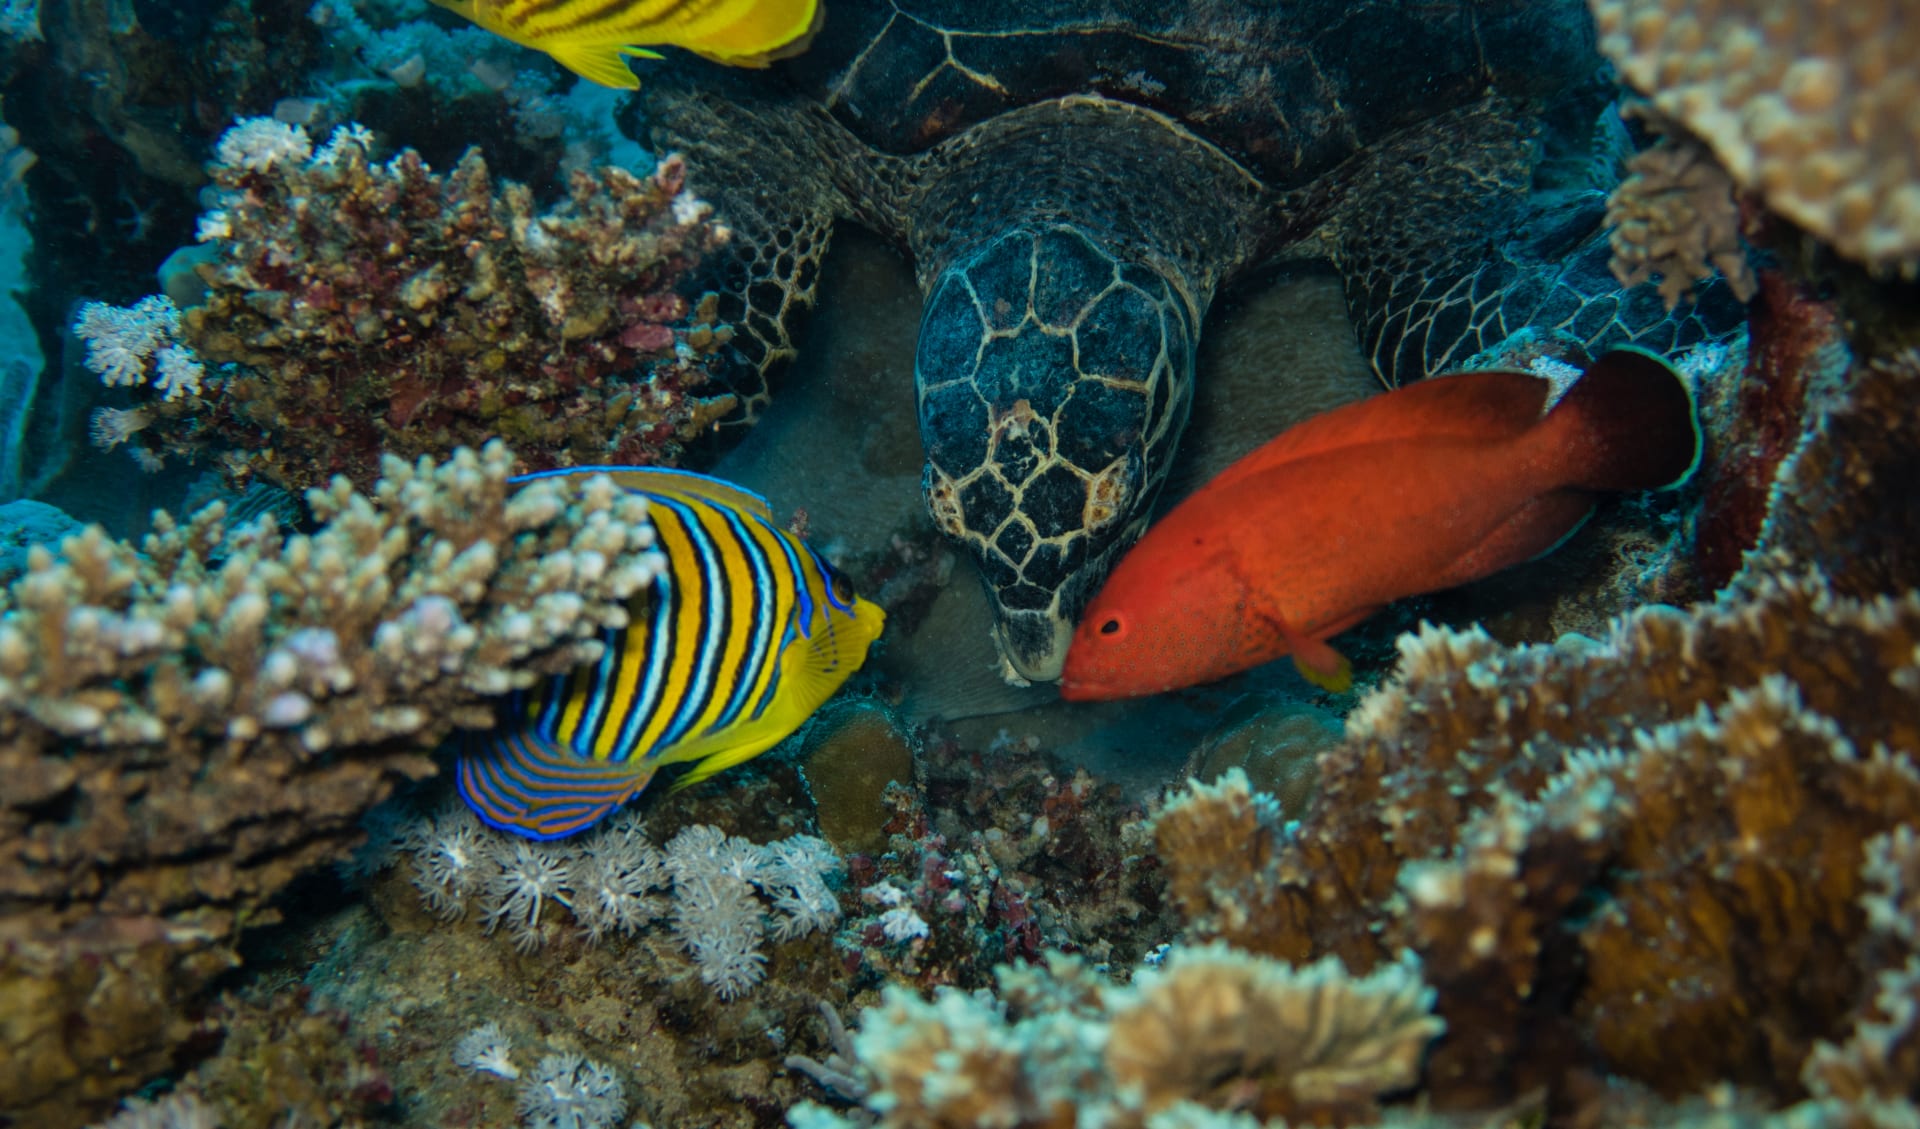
x,y
1032,645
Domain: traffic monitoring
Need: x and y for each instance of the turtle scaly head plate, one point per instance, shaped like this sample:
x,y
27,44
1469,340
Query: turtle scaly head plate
x,y
1054,379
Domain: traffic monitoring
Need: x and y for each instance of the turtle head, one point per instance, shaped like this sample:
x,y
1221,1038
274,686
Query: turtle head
x,y
1053,378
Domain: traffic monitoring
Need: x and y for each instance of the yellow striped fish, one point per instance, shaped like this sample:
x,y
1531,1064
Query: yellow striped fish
x,y
591,37
746,634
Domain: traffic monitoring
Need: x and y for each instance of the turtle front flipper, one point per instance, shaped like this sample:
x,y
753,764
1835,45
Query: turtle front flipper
x,y
1448,248
779,172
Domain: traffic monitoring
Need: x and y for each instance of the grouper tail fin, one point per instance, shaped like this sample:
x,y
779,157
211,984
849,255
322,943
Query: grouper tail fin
x,y
1629,423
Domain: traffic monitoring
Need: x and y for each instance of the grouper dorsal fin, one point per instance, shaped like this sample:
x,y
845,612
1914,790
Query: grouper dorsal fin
x,y
671,483
1489,404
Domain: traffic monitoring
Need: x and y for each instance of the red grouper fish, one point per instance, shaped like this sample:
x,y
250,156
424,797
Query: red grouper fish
x,y
1422,488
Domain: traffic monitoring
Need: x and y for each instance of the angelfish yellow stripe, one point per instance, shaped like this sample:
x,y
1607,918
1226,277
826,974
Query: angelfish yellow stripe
x,y
579,686
687,23
515,13
682,640
785,598
738,593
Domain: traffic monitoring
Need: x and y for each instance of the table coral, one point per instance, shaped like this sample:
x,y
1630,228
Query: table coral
x,y
356,308
187,726
1815,108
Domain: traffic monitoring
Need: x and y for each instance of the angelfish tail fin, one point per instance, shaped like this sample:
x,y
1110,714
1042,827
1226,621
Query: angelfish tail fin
x,y
1629,423
524,783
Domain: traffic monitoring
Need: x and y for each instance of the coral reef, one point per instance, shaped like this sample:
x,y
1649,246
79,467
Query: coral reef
x,y
187,726
1657,842
606,880
1843,501
1674,215
355,309
852,752
1795,357
1211,1026
1818,115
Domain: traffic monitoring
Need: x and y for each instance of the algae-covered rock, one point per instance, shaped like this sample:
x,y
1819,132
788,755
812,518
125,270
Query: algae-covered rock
x,y
853,750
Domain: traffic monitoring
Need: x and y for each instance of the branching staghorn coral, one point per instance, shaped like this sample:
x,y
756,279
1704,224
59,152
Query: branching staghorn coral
x,y
181,738
1818,115
356,308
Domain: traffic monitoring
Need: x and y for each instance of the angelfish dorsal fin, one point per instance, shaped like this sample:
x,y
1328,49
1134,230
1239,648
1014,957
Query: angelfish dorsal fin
x,y
673,483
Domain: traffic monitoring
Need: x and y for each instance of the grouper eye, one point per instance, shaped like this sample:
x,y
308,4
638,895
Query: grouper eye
x,y
1111,627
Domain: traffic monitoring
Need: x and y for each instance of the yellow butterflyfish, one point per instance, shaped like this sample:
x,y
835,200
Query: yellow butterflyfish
x,y
592,37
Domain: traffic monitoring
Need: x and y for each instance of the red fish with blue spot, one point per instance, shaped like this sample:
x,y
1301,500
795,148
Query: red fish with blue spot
x,y
1426,487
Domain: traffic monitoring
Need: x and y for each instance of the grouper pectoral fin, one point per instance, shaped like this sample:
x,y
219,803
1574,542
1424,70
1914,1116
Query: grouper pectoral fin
x,y
1319,663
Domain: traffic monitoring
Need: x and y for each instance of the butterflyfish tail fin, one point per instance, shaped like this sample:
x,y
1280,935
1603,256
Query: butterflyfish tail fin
x,y
524,783
601,63
1629,423
762,32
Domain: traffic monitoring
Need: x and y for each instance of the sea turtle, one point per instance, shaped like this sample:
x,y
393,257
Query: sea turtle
x,y
1075,181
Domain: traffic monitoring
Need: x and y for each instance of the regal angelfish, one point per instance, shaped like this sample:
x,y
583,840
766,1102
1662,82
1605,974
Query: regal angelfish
x,y
746,632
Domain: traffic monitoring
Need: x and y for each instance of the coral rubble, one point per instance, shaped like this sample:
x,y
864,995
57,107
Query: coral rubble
x,y
187,726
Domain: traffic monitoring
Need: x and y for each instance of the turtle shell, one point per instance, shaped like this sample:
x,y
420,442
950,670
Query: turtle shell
x,y
1289,90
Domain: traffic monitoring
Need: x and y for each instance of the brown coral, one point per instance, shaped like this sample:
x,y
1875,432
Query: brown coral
x,y
1815,107
1213,1029
1674,215
186,728
383,308
1661,834
1226,1029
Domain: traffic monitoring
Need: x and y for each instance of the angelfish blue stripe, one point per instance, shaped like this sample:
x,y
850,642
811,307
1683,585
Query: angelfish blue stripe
x,y
658,642
755,657
804,612
606,674
826,575
553,700
707,650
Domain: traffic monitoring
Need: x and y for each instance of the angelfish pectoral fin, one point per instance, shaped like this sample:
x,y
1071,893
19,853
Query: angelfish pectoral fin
x,y
522,782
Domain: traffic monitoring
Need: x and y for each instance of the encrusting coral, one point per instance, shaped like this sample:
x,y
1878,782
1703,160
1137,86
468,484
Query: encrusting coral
x,y
355,308
187,726
1814,108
